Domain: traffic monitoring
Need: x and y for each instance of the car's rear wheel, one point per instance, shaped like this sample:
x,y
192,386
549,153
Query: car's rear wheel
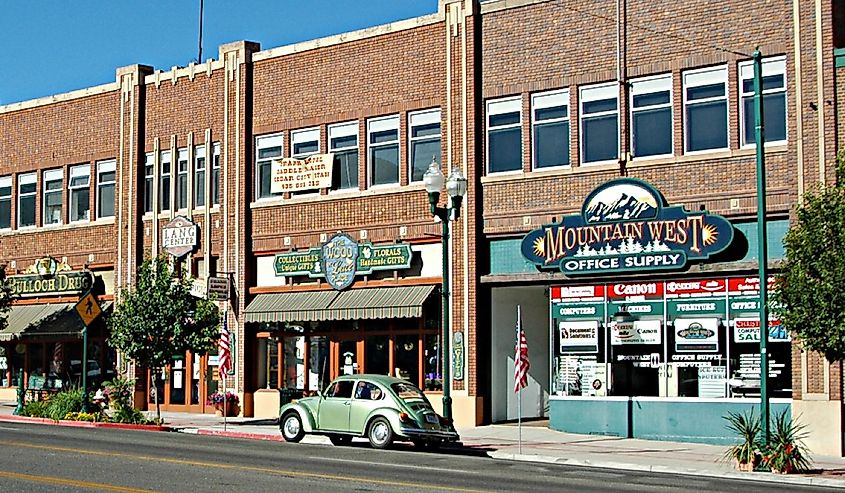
x,y
380,433
340,440
292,428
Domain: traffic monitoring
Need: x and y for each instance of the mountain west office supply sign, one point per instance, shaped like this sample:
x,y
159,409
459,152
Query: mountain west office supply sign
x,y
626,224
340,259
179,236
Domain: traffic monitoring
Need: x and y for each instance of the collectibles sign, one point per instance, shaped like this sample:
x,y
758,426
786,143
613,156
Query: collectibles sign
x,y
179,236
626,225
294,175
341,259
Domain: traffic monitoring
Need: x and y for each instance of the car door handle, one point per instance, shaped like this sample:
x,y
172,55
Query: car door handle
x,y
347,403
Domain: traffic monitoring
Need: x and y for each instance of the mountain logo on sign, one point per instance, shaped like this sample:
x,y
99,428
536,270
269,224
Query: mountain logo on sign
x,y
622,202
695,331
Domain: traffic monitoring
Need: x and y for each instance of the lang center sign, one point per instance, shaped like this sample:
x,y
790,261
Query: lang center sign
x,y
179,236
624,225
294,175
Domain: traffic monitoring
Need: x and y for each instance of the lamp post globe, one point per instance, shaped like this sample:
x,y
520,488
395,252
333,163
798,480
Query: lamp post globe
x,y
433,178
456,186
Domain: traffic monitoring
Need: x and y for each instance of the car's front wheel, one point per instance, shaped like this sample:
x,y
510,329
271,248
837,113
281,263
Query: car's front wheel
x,y
292,428
380,433
339,440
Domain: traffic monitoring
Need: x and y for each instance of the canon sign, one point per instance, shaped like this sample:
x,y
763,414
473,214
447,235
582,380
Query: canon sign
x,y
634,289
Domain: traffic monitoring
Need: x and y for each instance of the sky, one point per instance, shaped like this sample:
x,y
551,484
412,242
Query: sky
x,y
54,46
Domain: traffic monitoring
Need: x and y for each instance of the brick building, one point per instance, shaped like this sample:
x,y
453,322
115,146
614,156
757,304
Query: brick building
x,y
541,104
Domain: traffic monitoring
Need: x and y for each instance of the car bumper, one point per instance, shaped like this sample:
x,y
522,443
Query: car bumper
x,y
421,434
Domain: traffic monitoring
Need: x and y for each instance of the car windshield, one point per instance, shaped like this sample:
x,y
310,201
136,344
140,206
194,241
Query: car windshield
x,y
408,392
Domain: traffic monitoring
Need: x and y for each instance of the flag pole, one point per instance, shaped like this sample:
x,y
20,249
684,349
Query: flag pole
x,y
519,393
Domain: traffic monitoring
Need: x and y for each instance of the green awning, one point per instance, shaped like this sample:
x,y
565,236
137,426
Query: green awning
x,y
354,304
44,320
289,307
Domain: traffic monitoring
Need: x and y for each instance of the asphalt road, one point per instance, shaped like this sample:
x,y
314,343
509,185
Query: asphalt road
x,y
38,458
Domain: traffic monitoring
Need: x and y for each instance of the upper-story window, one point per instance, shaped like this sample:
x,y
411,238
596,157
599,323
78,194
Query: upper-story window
x,y
383,150
182,178
215,175
343,143
706,109
504,135
51,208
267,148
79,189
164,185
599,123
5,202
199,176
304,142
651,116
27,185
774,100
148,182
105,188
550,129
423,142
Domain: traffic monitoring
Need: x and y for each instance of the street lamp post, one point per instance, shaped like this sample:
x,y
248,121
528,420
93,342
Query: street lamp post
x,y
456,187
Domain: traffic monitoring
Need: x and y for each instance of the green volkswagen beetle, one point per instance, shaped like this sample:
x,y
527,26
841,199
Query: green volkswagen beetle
x,y
379,407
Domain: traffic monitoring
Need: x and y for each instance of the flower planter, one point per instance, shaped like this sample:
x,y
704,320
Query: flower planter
x,y
231,409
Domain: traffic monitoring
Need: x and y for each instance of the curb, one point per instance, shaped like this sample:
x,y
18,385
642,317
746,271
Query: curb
x,y
84,424
234,434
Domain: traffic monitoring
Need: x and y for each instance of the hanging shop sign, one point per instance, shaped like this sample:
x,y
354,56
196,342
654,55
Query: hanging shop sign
x,y
46,276
295,175
179,236
340,259
627,225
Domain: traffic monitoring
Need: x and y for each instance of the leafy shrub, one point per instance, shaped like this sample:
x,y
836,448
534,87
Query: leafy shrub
x,y
746,426
97,417
36,409
130,415
119,392
63,403
785,451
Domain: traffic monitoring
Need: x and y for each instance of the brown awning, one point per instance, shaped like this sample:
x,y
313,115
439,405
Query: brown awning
x,y
289,307
44,320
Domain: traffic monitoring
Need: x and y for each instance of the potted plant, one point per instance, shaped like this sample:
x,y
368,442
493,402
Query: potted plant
x,y
785,453
745,454
118,392
224,403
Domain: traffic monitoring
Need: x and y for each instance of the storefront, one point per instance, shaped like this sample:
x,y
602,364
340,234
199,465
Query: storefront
x,y
306,334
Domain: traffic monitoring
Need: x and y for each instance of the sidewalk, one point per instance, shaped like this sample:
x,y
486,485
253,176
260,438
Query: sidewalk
x,y
539,444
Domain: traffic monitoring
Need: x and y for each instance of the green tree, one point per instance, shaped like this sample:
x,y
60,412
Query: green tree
x,y
809,297
159,318
5,297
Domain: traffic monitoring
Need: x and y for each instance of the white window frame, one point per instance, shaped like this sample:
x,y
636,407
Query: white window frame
x,y
588,94
419,118
80,171
551,99
149,174
704,77
649,85
380,124
6,182
51,176
771,66
345,129
198,184
182,156
264,142
107,166
27,179
215,169
498,107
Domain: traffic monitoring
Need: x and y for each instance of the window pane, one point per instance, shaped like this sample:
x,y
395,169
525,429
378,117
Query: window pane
x,y
599,105
165,193
425,130
384,136
385,161
148,194
199,185
52,208
504,119
769,82
707,126
182,191
215,186
346,141
708,91
269,152
505,153
345,173
774,117
107,176
27,211
264,179
79,200
5,213
106,201
551,144
27,187
652,99
652,132
421,155
306,147
550,113
600,138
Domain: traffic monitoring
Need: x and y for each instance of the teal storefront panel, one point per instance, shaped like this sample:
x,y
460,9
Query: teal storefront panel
x,y
775,231
506,258
589,416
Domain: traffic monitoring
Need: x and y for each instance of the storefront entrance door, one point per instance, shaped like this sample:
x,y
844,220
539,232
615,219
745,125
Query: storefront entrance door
x,y
181,386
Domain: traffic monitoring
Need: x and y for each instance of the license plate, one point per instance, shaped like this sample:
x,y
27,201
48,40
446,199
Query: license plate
x,y
430,418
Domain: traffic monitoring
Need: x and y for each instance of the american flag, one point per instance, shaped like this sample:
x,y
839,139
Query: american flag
x,y
224,358
521,364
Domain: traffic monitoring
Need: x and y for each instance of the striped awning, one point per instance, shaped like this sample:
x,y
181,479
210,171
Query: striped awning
x,y
44,320
354,304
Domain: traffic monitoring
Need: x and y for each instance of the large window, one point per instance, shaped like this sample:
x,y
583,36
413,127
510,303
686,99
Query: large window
x,y
182,179
164,185
343,142
424,142
105,188
550,129
5,202
199,176
599,123
148,182
79,188
706,109
27,185
504,135
651,116
383,150
774,100
215,175
53,187
267,148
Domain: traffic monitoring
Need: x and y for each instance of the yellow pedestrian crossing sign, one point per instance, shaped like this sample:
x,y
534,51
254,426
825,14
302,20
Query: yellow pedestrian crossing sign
x,y
88,309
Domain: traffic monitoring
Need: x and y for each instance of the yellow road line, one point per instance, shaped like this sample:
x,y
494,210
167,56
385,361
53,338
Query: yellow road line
x,y
69,482
266,470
